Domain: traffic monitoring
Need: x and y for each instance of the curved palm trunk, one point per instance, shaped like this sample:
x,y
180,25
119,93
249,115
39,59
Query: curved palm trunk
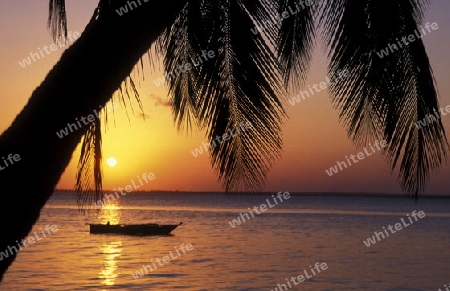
x,y
84,79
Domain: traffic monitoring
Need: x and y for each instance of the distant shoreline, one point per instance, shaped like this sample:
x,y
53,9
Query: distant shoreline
x,y
268,193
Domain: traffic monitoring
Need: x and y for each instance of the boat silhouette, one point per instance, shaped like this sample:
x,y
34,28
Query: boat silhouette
x,y
133,229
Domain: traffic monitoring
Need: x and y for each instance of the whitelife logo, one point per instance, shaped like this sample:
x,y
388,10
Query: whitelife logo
x,y
226,136
300,278
146,268
185,67
299,6
407,40
340,75
430,118
360,156
124,9
147,178
86,121
60,43
10,160
31,240
398,226
235,222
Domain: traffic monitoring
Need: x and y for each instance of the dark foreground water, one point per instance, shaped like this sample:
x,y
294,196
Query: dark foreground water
x,y
269,249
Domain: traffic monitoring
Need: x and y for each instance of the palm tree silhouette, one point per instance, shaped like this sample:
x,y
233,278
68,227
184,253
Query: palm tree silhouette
x,y
261,47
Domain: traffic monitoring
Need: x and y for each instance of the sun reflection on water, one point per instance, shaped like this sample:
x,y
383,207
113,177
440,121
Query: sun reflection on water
x,y
110,212
108,273
112,250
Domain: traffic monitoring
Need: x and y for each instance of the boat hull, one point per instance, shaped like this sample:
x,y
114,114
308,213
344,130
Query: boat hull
x,y
133,229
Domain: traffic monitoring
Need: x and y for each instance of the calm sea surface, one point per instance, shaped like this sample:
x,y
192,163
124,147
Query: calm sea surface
x,y
257,255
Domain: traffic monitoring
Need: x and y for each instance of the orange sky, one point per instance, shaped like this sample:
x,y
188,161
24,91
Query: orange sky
x,y
313,138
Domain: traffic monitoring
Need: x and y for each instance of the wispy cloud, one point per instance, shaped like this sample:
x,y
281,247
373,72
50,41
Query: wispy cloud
x,y
160,101
143,115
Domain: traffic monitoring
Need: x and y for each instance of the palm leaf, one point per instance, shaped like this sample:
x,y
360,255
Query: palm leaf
x,y
88,185
384,96
240,84
295,40
181,44
57,19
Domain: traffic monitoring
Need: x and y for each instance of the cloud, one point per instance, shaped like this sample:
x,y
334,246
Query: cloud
x,y
142,115
159,101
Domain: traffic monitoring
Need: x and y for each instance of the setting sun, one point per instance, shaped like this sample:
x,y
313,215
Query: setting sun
x,y
112,161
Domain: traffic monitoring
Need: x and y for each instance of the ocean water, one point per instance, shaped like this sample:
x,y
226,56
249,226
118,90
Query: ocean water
x,y
260,254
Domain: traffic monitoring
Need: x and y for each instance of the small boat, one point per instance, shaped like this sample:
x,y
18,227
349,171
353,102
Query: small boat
x,y
134,229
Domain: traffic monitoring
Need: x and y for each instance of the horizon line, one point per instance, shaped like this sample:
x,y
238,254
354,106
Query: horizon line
x,y
298,193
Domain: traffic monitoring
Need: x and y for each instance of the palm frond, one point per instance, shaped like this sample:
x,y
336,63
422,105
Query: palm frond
x,y
240,84
57,19
295,40
384,96
88,185
182,45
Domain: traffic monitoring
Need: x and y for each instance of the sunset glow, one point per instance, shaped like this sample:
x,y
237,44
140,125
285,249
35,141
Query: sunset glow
x,y
147,140
225,145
